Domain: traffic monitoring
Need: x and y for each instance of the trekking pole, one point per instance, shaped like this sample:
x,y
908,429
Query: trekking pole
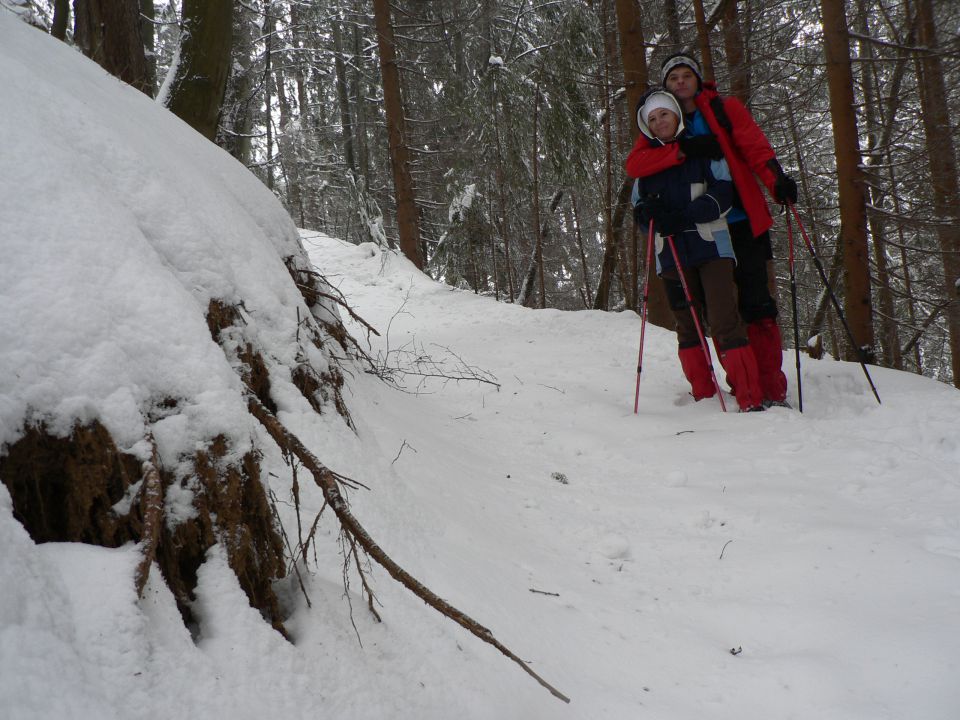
x,y
643,316
796,321
696,320
833,299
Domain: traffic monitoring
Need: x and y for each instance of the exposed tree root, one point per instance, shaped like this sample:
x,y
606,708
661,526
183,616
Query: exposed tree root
x,y
328,483
151,507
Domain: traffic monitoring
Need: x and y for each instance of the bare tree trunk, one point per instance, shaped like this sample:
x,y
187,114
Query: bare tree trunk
x,y
583,256
703,38
534,160
853,230
633,56
343,96
889,339
356,92
734,47
943,173
823,306
108,32
237,118
408,226
623,265
200,80
673,22
148,17
269,31
61,19
288,147
636,76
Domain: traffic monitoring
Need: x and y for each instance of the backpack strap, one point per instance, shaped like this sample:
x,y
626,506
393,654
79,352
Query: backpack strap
x,y
716,104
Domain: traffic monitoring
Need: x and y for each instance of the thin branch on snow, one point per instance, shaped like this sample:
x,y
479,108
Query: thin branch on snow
x,y
327,482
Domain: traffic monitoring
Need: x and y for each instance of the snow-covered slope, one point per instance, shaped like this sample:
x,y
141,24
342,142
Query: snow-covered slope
x,y
825,545
623,556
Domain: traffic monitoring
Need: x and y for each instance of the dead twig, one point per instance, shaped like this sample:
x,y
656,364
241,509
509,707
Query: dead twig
x,y
327,482
286,541
724,548
400,452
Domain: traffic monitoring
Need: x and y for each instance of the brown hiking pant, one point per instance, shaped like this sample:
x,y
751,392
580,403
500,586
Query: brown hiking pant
x,y
710,284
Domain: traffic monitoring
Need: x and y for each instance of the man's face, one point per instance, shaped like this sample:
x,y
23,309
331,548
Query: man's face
x,y
663,124
682,82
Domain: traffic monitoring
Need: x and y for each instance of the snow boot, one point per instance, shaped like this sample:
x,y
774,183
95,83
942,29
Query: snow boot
x,y
764,335
697,372
741,368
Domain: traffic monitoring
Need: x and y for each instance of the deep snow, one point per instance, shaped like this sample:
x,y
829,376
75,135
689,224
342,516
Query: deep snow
x,y
824,546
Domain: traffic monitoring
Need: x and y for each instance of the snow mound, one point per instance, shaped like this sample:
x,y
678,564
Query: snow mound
x,y
120,225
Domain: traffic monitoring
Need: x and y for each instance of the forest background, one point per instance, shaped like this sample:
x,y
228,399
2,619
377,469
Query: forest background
x,y
486,138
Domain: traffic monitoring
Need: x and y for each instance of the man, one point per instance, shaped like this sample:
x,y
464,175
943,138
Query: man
x,y
719,127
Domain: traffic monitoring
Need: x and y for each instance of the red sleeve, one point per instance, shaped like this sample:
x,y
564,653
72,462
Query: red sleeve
x,y
645,160
750,141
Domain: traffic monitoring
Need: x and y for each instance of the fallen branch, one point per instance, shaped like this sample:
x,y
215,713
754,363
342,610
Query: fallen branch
x,y
327,482
151,505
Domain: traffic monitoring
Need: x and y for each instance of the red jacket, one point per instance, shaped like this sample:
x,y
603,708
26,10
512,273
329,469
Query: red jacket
x,y
746,149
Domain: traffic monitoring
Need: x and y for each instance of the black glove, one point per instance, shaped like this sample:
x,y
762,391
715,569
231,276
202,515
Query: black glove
x,y
701,146
785,190
784,187
670,222
646,209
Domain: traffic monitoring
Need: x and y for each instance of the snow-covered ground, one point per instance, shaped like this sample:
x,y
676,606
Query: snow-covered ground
x,y
825,545
623,556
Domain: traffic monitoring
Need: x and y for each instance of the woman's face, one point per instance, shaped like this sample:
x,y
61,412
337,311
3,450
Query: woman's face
x,y
663,124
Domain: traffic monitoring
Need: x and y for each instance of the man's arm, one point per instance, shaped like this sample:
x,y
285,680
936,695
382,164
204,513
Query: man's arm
x,y
645,159
750,142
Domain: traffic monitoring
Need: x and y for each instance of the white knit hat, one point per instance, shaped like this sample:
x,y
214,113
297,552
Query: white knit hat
x,y
658,100
654,100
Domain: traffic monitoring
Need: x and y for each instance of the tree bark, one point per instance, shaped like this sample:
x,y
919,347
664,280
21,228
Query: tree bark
x,y
889,338
535,162
672,18
200,79
408,226
633,56
736,57
343,96
61,19
943,173
108,32
853,211
703,39
148,16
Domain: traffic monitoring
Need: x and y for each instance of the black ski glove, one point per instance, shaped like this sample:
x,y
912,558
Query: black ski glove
x,y
646,209
670,222
784,187
701,146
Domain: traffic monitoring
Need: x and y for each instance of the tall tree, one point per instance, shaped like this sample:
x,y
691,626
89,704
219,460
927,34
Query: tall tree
x,y
943,172
199,79
108,32
853,206
633,55
408,225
